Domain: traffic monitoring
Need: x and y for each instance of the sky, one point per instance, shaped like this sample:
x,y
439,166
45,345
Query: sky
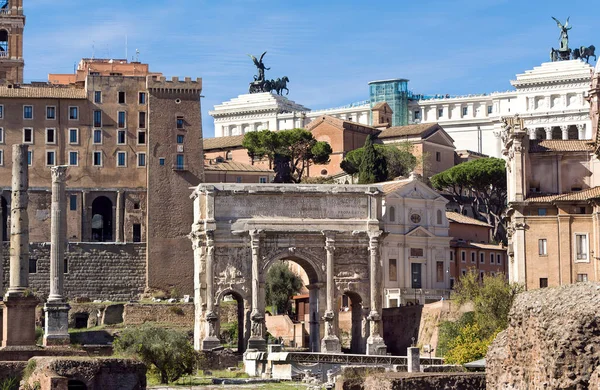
x,y
329,49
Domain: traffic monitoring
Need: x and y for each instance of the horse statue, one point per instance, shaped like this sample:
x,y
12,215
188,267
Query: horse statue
x,y
576,54
587,52
280,84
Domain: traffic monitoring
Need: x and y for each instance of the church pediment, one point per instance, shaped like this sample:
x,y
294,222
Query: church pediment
x,y
415,190
420,231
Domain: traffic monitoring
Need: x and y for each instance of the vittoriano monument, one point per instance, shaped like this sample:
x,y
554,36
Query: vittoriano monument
x,y
563,52
260,84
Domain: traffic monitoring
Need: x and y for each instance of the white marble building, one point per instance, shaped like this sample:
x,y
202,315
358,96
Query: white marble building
x,y
550,97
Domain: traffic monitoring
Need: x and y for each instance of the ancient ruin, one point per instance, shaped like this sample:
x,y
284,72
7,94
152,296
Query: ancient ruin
x,y
57,308
19,304
333,232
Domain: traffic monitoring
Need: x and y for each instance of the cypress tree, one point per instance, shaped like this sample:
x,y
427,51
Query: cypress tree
x,y
373,167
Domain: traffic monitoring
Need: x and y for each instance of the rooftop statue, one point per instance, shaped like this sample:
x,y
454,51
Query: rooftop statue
x,y
260,67
260,84
564,35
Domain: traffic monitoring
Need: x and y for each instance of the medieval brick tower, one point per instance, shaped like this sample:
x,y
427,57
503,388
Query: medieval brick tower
x,y
12,22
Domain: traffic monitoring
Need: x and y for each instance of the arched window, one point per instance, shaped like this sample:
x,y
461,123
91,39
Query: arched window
x,y
3,43
439,217
392,214
229,155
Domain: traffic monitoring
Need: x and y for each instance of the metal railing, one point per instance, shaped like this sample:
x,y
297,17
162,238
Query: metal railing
x,y
341,358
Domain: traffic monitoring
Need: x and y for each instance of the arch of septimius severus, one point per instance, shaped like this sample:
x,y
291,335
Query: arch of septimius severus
x,y
332,231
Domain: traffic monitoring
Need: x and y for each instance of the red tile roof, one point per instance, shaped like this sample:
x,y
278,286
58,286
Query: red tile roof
x,y
422,129
591,193
559,145
232,141
459,218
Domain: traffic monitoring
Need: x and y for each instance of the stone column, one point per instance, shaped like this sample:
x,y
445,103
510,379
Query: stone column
x,y
18,327
119,236
330,342
211,340
86,230
375,343
565,131
257,339
548,130
313,320
531,133
581,131
57,309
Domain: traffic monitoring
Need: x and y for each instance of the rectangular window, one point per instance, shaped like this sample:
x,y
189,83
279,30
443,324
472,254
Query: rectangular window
x,y
97,97
74,136
50,157
416,279
73,113
262,179
66,266
451,283
73,158
451,256
463,272
179,138
161,161
416,252
417,115
141,159
97,159
440,112
142,98
542,247
472,257
32,265
27,112
50,136
481,274
542,212
73,202
1,157
1,111
440,271
490,109
392,270
121,97
97,136
492,258
582,278
121,120
30,157
581,247
438,156
142,120
97,118
463,256
50,112
121,159
543,282
121,137
1,135
137,232
180,122
27,136
141,138
238,179
465,110
482,258
499,258
180,161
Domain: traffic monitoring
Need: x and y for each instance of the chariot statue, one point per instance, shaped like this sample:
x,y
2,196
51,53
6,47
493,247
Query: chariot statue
x,y
260,84
564,34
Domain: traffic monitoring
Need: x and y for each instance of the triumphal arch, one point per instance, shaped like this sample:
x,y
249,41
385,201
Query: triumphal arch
x,y
332,231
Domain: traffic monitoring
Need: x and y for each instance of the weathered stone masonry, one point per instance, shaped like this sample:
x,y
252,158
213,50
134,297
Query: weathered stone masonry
x,y
115,272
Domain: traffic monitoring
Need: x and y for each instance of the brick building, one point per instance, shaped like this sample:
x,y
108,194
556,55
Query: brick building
x,y
12,23
470,248
133,142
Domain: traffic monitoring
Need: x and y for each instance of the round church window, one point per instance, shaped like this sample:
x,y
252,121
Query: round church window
x,y
415,218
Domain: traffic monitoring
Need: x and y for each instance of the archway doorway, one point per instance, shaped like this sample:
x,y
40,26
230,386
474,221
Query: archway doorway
x,y
297,324
232,321
353,323
5,212
102,215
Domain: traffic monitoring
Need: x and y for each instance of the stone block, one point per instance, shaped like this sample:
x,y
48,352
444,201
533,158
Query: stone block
x,y
112,315
56,331
18,321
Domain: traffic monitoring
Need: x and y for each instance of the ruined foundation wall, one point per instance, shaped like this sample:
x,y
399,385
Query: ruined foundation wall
x,y
115,272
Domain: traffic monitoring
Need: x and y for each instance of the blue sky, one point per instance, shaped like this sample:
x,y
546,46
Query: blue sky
x,y
330,49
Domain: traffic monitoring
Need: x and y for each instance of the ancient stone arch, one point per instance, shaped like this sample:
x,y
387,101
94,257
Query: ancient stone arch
x,y
332,231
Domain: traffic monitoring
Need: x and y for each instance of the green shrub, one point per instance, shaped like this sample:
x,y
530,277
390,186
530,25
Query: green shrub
x,y
176,310
9,384
167,351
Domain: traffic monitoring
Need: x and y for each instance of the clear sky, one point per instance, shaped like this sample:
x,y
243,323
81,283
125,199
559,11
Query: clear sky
x,y
329,49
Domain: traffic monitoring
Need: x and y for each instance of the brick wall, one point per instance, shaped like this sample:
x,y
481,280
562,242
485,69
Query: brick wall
x,y
115,272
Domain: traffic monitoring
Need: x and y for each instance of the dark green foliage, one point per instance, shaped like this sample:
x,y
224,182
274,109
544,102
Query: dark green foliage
x,y
9,384
281,285
449,330
484,182
399,161
167,351
290,151
372,168
229,332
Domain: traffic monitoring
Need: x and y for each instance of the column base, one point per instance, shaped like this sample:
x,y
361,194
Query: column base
x,y
18,322
331,344
376,346
257,344
209,343
56,331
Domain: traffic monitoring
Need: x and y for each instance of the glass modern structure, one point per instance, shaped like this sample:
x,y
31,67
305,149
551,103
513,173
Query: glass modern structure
x,y
395,93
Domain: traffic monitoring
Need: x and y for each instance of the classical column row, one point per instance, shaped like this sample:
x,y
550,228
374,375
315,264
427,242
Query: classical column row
x,y
564,130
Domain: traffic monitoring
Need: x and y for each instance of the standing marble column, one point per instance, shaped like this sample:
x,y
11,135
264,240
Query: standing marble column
x,y
211,340
564,129
330,342
57,308
18,326
581,131
375,343
548,130
257,317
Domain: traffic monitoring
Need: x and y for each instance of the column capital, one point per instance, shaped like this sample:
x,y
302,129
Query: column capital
x,y
59,173
564,127
255,237
580,126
